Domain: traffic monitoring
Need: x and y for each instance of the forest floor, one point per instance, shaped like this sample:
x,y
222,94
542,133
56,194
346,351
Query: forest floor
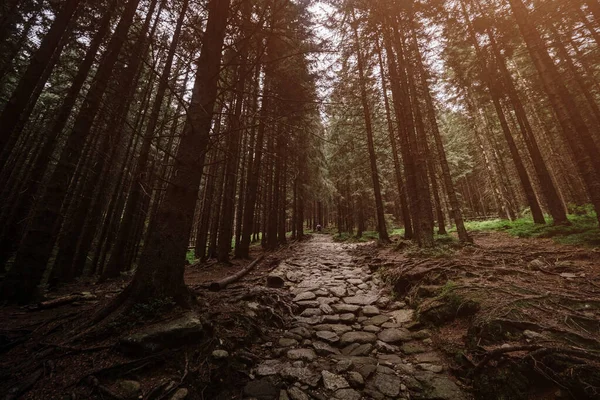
x,y
506,318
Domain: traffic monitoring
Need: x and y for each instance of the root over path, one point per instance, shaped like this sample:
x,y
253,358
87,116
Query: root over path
x,y
349,341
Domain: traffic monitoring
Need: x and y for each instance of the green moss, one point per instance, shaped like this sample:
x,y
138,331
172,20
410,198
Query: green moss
x,y
346,237
583,231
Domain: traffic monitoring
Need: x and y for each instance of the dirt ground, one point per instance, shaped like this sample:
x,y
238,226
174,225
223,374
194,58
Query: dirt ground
x,y
517,317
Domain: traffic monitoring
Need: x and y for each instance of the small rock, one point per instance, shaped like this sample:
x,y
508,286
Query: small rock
x,y
308,304
355,379
350,348
431,368
180,394
324,349
332,381
347,394
387,348
422,334
267,368
338,291
311,312
129,389
358,337
348,318
377,320
345,308
335,318
536,264
285,342
305,296
370,311
532,335
387,384
301,374
297,394
328,336
402,316
371,328
383,302
343,366
326,309
340,329
430,358
361,300
302,354
390,359
366,370
362,350
394,335
355,281
301,331
220,354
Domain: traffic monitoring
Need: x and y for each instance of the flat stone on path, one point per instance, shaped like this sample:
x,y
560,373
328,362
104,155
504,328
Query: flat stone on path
x,y
377,320
302,354
402,316
333,381
328,336
362,300
305,296
348,340
347,394
297,394
324,349
338,291
348,318
362,350
285,342
370,311
311,312
302,331
394,336
345,308
387,384
358,337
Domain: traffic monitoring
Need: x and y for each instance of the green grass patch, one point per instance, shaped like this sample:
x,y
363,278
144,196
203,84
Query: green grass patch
x,y
583,231
346,237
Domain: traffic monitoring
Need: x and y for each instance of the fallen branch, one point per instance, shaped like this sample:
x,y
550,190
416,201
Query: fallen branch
x,y
222,284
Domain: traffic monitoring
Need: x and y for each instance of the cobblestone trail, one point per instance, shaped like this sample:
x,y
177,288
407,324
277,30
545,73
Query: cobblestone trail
x,y
349,341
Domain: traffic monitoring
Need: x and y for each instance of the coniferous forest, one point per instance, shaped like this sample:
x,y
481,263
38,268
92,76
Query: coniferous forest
x,y
300,199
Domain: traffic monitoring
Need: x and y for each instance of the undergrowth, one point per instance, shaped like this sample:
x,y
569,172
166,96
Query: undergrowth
x,y
347,237
583,230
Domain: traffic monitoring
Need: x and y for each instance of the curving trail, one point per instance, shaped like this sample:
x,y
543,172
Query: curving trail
x,y
349,341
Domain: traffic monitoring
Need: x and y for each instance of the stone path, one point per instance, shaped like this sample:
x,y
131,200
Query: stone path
x,y
348,342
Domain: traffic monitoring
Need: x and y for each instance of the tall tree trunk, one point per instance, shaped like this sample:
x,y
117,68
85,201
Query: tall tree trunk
x,y
408,231
42,59
381,226
575,132
116,262
36,246
532,201
161,264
